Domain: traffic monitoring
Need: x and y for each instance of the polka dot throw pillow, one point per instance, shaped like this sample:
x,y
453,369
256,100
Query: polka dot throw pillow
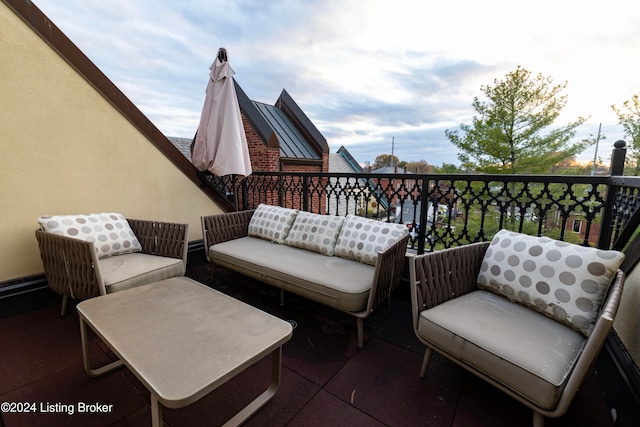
x,y
563,281
110,232
271,222
317,233
362,238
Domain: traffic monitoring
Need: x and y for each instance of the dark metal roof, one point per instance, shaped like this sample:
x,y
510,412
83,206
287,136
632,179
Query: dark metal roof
x,y
349,158
293,145
257,120
301,121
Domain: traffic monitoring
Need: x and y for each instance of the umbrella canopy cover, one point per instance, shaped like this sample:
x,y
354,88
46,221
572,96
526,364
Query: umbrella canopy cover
x,y
221,144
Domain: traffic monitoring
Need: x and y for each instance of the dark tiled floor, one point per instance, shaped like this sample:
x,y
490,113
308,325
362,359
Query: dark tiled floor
x,y
326,380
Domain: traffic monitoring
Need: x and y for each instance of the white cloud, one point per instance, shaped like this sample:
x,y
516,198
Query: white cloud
x,y
364,71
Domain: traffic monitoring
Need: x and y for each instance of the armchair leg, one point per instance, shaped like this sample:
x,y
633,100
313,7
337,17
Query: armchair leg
x,y
65,301
538,419
425,362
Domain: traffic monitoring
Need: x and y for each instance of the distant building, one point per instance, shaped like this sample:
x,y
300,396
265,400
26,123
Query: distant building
x,y
349,195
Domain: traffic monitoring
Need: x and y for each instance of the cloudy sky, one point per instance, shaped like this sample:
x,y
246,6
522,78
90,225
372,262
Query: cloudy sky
x,y
364,71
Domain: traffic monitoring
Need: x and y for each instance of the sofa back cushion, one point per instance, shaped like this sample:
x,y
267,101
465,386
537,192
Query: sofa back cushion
x,y
361,239
314,232
271,222
109,232
563,281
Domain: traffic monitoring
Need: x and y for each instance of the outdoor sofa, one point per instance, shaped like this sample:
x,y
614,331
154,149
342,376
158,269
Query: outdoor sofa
x,y
95,254
527,314
349,263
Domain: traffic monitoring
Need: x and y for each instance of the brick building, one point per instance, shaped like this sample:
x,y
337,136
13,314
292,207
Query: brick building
x,y
281,137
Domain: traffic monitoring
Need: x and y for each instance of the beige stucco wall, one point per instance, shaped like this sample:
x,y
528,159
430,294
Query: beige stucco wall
x,y
64,149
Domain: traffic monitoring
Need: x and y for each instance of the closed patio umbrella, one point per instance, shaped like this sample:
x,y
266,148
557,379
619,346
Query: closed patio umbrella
x,y
220,144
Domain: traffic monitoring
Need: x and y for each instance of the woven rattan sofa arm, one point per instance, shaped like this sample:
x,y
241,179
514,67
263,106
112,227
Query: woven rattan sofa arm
x,y
165,239
389,268
443,275
224,227
69,265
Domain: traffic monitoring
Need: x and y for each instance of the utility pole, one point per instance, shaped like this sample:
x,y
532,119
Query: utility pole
x,y
595,155
393,139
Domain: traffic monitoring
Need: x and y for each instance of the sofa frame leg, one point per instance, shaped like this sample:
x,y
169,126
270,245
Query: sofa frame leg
x,y
282,301
213,274
538,419
425,362
360,326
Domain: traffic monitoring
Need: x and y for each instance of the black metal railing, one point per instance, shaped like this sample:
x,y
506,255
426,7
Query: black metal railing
x,y
446,210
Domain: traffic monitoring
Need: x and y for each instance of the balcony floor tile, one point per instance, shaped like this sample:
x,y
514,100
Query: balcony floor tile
x,y
326,379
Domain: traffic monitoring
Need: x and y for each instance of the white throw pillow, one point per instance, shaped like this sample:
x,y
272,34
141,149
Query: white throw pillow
x,y
563,281
314,232
271,222
362,239
109,232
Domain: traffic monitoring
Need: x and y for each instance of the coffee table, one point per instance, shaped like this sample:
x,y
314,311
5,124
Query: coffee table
x,y
182,340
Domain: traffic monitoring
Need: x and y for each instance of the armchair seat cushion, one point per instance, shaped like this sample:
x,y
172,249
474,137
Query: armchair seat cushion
x,y
505,341
128,271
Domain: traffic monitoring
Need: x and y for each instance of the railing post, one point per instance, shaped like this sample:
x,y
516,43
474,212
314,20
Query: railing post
x,y
424,212
305,193
617,169
618,157
245,194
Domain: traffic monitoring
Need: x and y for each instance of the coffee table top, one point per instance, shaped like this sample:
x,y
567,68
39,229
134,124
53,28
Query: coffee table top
x,y
181,338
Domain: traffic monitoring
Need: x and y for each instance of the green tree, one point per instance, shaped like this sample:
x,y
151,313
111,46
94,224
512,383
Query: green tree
x,y
421,166
385,160
629,118
507,134
448,168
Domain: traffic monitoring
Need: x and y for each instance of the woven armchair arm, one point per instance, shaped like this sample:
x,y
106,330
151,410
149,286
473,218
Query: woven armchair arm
x,y
610,308
389,268
161,238
444,275
69,265
224,227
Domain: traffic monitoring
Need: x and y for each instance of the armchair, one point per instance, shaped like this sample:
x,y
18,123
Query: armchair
x,y
529,315
89,255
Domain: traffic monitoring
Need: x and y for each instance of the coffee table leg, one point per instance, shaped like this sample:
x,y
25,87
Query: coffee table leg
x,y
156,412
85,354
260,401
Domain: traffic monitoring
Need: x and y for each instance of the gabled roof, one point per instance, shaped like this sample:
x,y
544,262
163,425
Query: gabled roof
x,y
343,161
284,126
302,122
182,144
389,169
257,120
293,145
344,153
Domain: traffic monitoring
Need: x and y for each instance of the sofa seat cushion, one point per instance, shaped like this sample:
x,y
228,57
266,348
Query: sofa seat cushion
x,y
128,271
506,341
334,281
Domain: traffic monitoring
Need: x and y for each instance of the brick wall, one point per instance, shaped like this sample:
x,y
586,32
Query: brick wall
x,y
265,159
